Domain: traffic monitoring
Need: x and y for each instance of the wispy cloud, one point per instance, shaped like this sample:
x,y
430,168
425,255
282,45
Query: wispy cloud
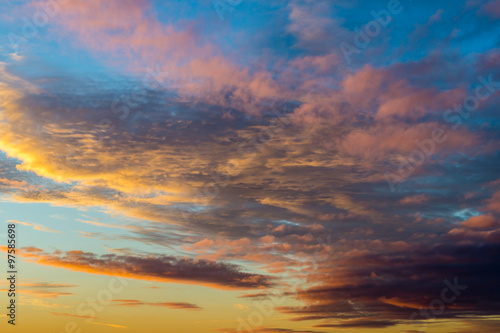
x,y
36,226
172,305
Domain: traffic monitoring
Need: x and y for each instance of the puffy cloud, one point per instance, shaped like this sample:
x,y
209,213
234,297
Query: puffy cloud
x,y
481,222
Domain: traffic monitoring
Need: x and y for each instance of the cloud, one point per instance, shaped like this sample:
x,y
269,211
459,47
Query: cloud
x,y
36,226
154,267
306,199
110,325
42,290
359,324
270,330
313,27
41,293
47,285
491,9
493,203
70,315
481,222
172,305
366,284
416,199
186,62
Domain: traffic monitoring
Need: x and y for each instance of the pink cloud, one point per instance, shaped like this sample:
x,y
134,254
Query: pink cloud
x,y
468,235
491,9
129,35
381,89
413,200
324,64
382,139
493,203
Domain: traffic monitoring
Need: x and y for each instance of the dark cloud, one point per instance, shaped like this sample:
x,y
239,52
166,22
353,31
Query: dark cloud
x,y
394,285
154,267
360,323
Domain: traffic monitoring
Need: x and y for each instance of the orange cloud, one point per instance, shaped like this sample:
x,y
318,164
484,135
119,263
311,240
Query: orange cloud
x,y
151,268
172,305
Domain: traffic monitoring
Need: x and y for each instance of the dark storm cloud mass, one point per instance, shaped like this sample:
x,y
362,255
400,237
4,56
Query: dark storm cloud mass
x,y
395,285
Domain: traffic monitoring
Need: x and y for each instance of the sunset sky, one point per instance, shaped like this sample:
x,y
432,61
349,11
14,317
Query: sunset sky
x,y
280,166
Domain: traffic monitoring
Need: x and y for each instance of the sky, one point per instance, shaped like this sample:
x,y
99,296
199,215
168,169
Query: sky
x,y
281,166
